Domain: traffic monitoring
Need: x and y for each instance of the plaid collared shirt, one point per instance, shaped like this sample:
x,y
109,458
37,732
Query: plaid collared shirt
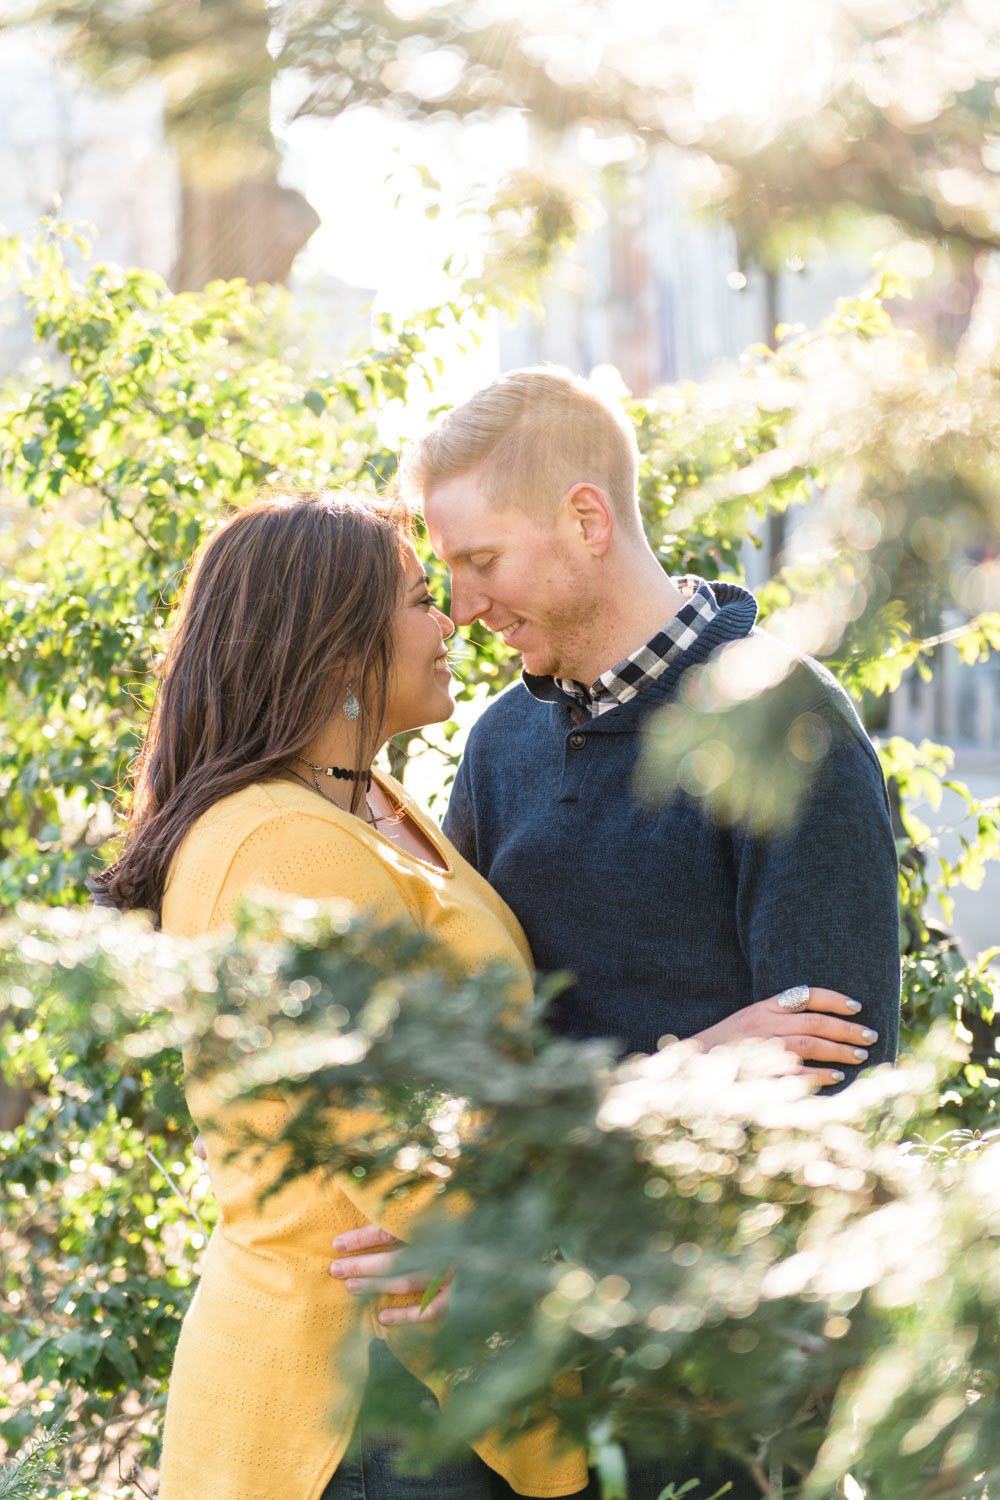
x,y
621,683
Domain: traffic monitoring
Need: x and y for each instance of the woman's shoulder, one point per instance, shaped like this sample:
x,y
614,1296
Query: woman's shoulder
x,y
269,833
236,817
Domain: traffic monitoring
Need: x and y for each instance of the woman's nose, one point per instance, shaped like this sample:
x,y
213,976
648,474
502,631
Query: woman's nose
x,y
447,624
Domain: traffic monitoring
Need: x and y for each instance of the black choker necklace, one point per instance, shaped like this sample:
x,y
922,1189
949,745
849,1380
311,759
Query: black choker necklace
x,y
341,772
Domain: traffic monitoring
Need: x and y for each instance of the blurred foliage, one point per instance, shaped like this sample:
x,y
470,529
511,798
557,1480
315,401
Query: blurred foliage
x,y
798,111
733,1264
148,415
33,1466
790,115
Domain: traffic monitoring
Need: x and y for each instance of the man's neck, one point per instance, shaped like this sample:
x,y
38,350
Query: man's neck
x,y
640,601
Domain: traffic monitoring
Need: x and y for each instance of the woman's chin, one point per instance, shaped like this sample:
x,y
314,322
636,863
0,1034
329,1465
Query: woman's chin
x,y
448,709
435,711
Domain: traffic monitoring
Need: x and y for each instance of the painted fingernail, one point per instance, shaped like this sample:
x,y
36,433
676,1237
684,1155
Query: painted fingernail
x,y
860,1054
837,1076
869,1036
853,1006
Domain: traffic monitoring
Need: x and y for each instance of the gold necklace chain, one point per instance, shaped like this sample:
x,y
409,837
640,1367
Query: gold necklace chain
x,y
399,812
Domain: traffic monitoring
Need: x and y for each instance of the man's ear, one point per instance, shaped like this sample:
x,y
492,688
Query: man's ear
x,y
588,512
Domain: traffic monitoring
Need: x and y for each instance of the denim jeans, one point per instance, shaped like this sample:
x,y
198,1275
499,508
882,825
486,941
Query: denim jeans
x,y
368,1470
371,1475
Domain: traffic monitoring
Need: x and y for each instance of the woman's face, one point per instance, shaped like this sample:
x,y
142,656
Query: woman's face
x,y
420,684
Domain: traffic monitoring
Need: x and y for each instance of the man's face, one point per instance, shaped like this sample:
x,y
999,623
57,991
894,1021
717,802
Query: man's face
x,y
530,582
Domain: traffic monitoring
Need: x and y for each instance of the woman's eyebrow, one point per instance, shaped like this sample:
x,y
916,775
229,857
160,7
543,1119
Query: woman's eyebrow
x,y
421,582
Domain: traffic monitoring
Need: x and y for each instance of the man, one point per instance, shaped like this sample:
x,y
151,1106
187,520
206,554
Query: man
x,y
673,923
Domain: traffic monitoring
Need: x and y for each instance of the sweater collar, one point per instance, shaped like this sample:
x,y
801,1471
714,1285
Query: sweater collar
x,y
735,618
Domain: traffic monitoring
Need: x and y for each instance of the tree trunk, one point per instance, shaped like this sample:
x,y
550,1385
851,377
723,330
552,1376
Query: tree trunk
x,y
235,218
252,227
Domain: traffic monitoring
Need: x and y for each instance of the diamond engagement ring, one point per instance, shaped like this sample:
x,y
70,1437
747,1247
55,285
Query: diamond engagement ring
x,y
797,998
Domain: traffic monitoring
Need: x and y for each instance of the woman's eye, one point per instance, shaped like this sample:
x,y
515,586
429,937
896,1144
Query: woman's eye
x,y
427,600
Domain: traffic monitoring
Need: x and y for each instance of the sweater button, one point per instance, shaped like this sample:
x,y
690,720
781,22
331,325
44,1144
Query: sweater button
x,y
578,741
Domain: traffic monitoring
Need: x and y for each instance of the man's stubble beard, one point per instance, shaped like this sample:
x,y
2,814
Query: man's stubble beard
x,y
569,635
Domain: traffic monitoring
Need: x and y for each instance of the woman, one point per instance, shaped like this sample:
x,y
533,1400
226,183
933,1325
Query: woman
x,y
305,639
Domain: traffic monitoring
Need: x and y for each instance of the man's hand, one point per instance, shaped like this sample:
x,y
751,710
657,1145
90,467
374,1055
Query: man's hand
x,y
813,1035
363,1272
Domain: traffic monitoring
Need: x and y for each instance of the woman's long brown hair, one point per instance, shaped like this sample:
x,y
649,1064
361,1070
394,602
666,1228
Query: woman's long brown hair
x,y
288,603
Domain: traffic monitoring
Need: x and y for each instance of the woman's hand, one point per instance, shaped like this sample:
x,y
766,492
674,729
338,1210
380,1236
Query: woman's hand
x,y
363,1273
817,1034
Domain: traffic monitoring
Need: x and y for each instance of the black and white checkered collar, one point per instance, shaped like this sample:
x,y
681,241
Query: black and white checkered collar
x,y
621,683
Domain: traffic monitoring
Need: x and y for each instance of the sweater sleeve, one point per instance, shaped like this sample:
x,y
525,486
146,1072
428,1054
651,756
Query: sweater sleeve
x,y
299,855
817,901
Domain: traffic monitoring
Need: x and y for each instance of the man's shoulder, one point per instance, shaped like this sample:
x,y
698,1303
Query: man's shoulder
x,y
806,687
813,686
825,695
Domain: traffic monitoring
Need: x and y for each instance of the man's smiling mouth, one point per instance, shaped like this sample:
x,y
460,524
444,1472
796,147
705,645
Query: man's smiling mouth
x,y
505,631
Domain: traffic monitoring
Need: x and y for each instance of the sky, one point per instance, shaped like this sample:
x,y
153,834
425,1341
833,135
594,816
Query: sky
x,y
388,226
364,167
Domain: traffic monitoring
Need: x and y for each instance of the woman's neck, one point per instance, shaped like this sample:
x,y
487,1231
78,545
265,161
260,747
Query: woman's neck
x,y
336,745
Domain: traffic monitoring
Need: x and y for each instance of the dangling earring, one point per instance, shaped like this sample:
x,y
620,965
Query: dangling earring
x,y
352,707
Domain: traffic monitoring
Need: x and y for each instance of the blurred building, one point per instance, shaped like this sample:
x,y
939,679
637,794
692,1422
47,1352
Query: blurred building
x,y
101,160
92,158
663,296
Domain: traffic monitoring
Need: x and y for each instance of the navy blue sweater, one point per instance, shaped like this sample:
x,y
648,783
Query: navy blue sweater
x,y
669,920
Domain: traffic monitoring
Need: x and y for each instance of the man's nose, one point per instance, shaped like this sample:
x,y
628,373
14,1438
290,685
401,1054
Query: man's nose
x,y
467,604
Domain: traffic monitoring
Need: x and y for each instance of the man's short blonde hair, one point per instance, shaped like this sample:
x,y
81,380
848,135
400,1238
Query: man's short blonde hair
x,y
528,438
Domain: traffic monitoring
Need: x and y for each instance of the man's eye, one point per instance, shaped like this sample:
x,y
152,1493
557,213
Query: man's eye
x,y
482,565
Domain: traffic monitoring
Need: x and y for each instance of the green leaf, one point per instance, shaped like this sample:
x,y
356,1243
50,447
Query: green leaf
x,y
432,1290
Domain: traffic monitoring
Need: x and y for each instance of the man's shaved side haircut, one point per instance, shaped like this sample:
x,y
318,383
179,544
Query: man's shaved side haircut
x,y
528,438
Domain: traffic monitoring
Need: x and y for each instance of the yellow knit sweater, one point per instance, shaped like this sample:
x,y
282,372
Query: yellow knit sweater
x,y
266,1382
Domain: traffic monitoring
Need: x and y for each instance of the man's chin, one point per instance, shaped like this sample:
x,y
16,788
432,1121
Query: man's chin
x,y
543,658
538,664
